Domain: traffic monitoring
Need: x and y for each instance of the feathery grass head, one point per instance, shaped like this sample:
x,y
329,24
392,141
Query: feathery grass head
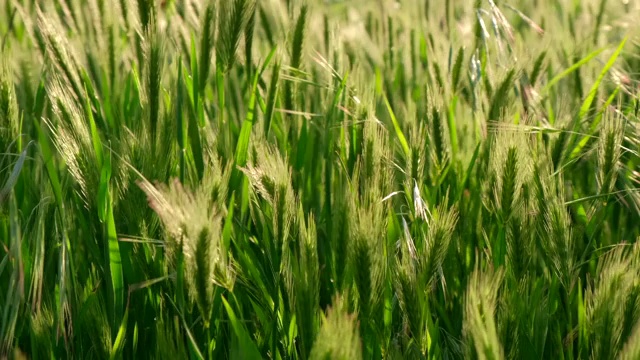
x,y
72,139
298,38
154,51
339,337
631,349
608,299
61,54
232,20
375,174
8,105
510,162
437,242
609,151
147,12
42,327
440,152
270,178
410,295
207,38
553,225
304,282
420,162
8,108
366,255
480,325
194,227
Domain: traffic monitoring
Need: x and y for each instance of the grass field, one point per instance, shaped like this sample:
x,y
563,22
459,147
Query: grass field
x,y
244,179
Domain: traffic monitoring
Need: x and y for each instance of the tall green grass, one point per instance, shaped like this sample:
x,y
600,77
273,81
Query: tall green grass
x,y
319,180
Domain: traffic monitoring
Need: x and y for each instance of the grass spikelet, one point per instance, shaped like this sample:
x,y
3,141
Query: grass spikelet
x,y
631,349
59,51
373,179
72,139
607,301
510,164
609,152
479,316
304,293
124,7
249,34
409,282
8,105
339,336
554,225
15,285
147,12
8,109
509,192
232,20
411,298
207,37
340,242
298,38
270,178
203,284
437,242
367,263
455,72
538,66
361,260
419,162
41,326
560,147
438,138
420,207
509,175
375,169
192,219
296,56
154,79
111,44
500,97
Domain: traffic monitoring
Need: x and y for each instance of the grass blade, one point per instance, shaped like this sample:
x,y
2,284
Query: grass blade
x,y
249,349
399,133
586,105
570,70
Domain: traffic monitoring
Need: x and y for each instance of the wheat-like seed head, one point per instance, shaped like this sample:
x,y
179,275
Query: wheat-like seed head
x,y
479,321
194,227
339,335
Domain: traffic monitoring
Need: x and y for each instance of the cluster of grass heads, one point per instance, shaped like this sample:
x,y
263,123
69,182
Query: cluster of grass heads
x,y
319,180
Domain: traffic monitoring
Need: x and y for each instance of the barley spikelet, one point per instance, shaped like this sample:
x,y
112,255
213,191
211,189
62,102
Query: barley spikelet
x,y
191,219
479,316
339,337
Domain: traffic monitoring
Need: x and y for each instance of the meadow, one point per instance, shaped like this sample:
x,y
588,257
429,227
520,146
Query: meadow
x,y
289,179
